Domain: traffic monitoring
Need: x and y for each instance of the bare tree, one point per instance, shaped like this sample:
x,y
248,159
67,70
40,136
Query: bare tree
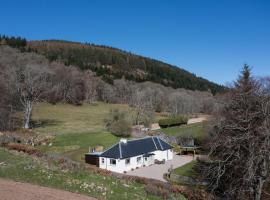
x,y
91,86
29,83
240,142
141,100
68,85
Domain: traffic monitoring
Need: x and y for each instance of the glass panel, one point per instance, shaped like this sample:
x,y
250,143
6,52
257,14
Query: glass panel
x,y
127,161
112,161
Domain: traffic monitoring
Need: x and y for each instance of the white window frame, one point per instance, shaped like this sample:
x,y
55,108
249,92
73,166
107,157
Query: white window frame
x,y
111,161
102,160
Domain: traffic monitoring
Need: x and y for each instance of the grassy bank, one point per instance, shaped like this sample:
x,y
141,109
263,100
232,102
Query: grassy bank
x,y
186,170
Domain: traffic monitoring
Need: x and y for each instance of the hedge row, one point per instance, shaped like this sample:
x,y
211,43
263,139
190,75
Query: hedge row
x,y
174,121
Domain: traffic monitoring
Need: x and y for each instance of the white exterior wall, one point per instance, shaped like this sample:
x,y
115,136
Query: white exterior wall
x,y
164,155
121,165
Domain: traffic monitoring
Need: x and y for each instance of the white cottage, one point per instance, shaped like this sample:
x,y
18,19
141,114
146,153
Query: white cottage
x,y
130,154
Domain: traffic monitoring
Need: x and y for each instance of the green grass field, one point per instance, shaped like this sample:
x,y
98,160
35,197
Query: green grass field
x,y
75,145
194,130
186,170
76,128
24,168
65,118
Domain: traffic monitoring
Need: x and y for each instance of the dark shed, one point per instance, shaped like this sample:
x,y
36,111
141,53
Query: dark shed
x,y
92,158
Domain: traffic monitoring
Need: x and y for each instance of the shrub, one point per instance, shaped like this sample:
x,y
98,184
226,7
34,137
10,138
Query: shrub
x,y
24,148
173,121
157,190
119,123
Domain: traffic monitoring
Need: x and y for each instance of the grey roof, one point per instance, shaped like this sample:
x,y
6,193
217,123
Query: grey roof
x,y
136,147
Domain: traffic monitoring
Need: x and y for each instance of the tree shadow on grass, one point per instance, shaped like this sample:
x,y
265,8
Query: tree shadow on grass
x,y
44,123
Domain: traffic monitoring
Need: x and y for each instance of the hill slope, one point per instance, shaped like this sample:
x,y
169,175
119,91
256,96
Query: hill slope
x,y
111,63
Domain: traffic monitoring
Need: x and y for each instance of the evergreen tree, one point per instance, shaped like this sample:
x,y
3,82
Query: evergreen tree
x,y
240,146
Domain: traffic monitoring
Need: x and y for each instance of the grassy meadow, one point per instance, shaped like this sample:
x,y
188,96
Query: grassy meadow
x,y
65,118
196,130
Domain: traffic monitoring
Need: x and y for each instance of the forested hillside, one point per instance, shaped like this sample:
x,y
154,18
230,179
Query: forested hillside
x,y
27,77
111,63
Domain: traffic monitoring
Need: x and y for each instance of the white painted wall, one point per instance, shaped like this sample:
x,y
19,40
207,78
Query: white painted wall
x,y
121,165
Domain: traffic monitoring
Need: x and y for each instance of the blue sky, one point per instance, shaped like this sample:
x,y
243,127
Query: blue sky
x,y
212,39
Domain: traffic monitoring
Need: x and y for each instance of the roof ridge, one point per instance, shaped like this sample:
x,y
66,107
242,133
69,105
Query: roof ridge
x,y
160,143
147,137
166,142
154,143
120,150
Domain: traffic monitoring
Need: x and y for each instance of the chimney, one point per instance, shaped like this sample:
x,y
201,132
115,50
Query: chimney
x,y
123,140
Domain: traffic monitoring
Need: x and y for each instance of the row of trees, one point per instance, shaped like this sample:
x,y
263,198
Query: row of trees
x,y
29,77
16,42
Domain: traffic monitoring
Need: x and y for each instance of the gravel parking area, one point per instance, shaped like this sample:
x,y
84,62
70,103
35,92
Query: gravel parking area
x,y
156,171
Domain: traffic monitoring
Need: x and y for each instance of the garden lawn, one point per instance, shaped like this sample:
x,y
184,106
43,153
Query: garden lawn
x,y
186,170
24,168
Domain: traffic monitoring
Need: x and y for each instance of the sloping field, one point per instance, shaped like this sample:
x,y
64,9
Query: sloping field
x,y
65,118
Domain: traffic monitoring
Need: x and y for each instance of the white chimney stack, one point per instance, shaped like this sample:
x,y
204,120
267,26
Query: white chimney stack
x,y
123,140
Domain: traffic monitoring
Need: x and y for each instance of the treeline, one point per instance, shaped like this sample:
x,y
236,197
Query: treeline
x,y
16,42
111,63
28,77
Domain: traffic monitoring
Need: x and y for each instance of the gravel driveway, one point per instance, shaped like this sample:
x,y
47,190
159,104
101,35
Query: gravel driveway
x,y
11,190
156,171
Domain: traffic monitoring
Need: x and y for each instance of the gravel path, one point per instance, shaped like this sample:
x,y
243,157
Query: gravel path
x,y
156,171
11,190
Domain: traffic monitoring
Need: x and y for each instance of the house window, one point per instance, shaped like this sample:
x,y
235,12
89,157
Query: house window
x,y
139,159
112,162
102,160
127,161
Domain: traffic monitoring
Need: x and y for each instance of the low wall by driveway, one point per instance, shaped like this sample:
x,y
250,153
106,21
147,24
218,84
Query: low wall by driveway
x,y
157,171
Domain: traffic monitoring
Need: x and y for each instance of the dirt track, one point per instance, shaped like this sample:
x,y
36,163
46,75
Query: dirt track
x,y
11,190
